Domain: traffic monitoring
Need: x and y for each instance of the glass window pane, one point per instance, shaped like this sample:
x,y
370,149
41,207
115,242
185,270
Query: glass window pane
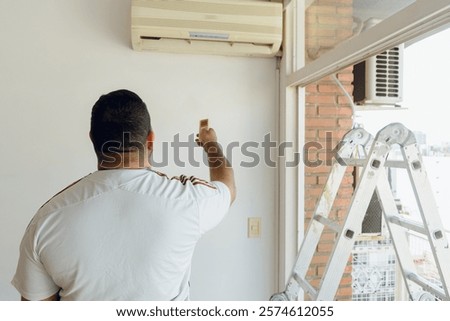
x,y
330,22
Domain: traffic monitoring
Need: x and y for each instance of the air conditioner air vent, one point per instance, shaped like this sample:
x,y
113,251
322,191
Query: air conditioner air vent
x,y
387,77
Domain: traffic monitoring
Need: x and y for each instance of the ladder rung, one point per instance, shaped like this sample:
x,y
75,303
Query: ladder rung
x,y
362,162
327,222
427,285
306,286
396,164
408,223
354,162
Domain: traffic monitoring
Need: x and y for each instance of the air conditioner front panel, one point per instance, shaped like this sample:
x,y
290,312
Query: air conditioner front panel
x,y
181,25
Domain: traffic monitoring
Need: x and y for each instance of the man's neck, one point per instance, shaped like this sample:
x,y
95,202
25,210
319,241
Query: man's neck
x,y
126,160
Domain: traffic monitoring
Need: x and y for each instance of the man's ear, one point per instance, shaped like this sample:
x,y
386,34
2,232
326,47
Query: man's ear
x,y
150,140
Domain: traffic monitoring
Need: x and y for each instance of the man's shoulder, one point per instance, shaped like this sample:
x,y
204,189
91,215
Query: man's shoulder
x,y
195,181
62,194
186,186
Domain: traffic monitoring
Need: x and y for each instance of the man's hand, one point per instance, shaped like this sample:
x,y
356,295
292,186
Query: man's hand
x,y
219,167
206,135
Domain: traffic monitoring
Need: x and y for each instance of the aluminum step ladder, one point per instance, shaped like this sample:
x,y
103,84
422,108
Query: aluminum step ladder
x,y
373,178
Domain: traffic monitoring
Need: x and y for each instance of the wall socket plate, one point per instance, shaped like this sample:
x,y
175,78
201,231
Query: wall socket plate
x,y
254,227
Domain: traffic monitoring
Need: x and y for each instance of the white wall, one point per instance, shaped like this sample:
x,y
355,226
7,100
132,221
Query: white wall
x,y
57,57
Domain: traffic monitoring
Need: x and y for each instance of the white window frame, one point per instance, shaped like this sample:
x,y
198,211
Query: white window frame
x,y
413,22
291,122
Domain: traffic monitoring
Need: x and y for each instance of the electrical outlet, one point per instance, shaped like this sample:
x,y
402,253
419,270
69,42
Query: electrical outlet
x,y
254,227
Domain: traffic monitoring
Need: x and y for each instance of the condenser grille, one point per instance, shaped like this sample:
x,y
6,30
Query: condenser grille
x,y
387,75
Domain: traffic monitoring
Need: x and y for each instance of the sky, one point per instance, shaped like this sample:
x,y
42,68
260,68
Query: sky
x,y
426,91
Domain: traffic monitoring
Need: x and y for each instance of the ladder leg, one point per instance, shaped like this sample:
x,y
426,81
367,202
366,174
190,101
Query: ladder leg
x,y
352,225
429,213
314,231
297,281
431,225
398,234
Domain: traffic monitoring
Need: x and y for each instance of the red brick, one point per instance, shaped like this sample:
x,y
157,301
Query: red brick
x,y
311,272
322,99
324,247
346,280
322,179
345,191
343,100
348,88
344,291
311,180
340,202
307,220
328,88
336,134
310,134
320,122
321,269
344,23
311,19
310,204
310,111
329,20
328,111
344,34
348,269
314,191
327,43
311,88
319,259
346,111
317,169
348,69
315,31
321,10
341,213
327,236
332,2
314,282
345,76
345,11
346,123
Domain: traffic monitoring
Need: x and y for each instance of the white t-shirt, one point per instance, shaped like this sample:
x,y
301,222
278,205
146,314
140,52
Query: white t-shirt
x,y
119,235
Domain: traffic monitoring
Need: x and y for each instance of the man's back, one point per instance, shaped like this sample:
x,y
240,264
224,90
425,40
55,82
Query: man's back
x,y
119,235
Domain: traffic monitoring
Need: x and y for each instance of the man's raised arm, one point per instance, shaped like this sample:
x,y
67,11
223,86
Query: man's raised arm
x,y
219,167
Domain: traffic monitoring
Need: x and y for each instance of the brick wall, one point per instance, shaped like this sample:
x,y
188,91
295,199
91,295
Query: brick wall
x,y
328,117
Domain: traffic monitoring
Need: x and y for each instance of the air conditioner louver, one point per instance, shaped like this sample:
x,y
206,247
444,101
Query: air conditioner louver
x,y
223,27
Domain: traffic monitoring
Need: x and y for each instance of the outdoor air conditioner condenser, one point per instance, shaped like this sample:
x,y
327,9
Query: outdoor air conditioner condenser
x,y
379,80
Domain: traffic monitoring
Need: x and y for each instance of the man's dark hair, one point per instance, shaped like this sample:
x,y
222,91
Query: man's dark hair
x,y
120,122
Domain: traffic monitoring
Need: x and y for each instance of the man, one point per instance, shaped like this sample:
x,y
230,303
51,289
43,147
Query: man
x,y
124,232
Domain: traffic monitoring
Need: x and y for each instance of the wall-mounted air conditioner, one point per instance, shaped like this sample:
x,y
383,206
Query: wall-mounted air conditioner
x,y
378,81
223,27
